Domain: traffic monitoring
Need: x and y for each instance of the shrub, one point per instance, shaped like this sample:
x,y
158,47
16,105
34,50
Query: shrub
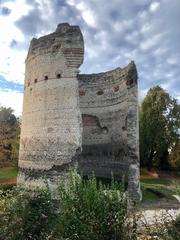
x,y
89,210
172,229
26,215
83,210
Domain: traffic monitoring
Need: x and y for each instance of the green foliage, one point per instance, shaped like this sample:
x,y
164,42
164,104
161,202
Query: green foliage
x,y
92,211
9,137
159,124
173,229
157,188
8,172
83,210
174,157
26,215
8,176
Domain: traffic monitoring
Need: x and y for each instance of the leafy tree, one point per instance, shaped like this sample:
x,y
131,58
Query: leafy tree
x,y
9,136
159,124
174,156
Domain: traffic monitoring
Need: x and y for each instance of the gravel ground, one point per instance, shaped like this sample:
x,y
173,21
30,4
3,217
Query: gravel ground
x,y
152,217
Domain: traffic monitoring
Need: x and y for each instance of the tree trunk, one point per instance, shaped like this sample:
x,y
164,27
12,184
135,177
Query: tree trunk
x,y
150,160
163,163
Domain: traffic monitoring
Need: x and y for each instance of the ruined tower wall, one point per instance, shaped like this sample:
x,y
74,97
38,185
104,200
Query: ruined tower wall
x,y
65,112
108,103
51,131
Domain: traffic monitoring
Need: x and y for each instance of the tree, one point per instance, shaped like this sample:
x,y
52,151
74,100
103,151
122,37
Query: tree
x,y
9,137
174,156
159,124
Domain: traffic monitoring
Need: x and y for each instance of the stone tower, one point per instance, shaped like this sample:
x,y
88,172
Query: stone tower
x,y
51,132
57,97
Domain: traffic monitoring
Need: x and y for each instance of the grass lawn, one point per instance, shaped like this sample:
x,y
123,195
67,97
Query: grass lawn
x,y
156,188
8,176
153,188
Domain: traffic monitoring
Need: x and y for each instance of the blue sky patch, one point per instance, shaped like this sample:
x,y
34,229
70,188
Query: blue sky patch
x,y
8,85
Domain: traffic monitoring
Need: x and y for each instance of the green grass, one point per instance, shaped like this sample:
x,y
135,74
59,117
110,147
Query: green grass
x,y
8,175
8,172
149,196
155,188
155,181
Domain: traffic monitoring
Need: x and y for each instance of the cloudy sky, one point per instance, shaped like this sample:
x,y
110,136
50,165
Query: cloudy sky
x,y
115,32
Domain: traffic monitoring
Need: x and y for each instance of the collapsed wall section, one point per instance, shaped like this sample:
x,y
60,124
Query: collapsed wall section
x,y
51,122
108,103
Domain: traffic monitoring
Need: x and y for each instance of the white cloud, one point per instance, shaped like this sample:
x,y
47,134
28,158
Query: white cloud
x,y
12,64
173,60
142,94
177,97
115,32
12,99
11,60
17,7
87,14
146,27
150,42
154,6
123,25
160,51
133,37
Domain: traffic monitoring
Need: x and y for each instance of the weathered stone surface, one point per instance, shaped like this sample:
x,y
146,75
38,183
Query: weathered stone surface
x,y
51,125
108,102
57,98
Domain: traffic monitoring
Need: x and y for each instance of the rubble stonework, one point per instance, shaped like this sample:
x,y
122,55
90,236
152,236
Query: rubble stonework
x,y
70,117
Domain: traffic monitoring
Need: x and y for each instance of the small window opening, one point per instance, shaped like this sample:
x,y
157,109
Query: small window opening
x,y
28,84
105,130
35,80
100,92
81,93
58,75
46,77
116,88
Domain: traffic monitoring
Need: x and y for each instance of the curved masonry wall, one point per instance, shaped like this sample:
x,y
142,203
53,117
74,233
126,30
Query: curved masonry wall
x,y
70,117
108,103
51,132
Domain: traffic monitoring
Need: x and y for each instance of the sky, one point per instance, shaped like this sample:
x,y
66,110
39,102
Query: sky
x,y
115,32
